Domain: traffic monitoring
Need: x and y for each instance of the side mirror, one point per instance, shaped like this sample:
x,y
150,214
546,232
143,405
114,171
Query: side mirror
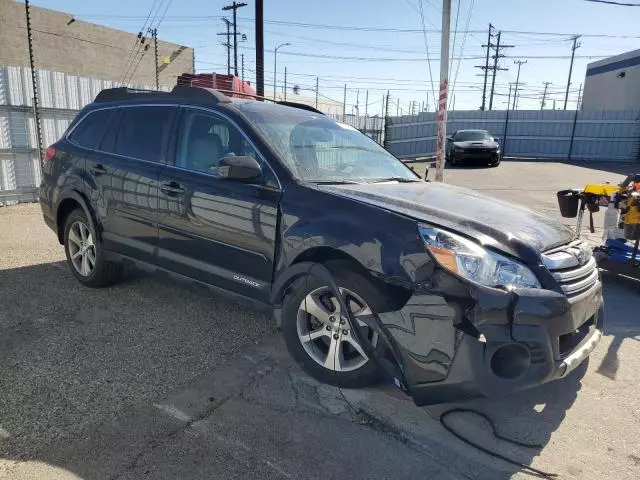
x,y
239,168
496,139
450,137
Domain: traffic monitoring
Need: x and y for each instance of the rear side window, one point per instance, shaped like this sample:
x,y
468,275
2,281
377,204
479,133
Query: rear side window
x,y
90,130
144,131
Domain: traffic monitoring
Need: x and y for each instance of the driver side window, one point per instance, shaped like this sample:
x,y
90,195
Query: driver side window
x,y
205,139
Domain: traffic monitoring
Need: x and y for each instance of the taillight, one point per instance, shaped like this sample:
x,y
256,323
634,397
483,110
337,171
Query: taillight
x,y
50,153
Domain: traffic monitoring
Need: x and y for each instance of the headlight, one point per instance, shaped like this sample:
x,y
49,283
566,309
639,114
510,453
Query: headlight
x,y
475,263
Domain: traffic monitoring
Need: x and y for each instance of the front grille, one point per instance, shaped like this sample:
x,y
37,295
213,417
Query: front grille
x,y
574,267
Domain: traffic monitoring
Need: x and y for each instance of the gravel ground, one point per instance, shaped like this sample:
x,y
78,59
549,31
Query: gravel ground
x,y
73,356
134,381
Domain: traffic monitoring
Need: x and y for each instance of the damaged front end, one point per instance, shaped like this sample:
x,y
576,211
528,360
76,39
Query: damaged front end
x,y
457,339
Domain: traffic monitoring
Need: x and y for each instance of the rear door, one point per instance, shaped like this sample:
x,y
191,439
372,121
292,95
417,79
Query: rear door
x,y
124,174
219,231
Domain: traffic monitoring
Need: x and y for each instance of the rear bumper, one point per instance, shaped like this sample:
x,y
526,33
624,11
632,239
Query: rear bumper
x,y
47,212
525,340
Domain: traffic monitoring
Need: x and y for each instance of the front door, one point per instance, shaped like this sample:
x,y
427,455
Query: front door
x,y
124,172
218,231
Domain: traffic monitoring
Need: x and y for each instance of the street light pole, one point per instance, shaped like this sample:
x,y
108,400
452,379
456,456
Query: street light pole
x,y
275,66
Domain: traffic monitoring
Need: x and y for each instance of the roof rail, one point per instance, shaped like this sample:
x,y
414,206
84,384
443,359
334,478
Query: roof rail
x,y
126,93
199,94
302,106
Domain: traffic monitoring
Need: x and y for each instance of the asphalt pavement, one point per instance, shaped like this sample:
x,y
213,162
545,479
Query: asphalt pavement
x,y
154,378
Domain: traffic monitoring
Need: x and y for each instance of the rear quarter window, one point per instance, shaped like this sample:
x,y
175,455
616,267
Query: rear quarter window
x,y
90,130
144,131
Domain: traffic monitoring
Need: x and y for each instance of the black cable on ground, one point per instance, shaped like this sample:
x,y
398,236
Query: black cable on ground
x,y
497,435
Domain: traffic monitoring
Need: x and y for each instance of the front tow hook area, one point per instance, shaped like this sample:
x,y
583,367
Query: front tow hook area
x,y
572,361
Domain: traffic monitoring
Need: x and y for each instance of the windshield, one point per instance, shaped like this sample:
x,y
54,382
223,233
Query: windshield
x,y
318,149
472,136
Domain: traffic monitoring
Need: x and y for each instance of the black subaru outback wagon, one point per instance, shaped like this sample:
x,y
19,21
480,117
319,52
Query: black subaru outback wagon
x,y
454,294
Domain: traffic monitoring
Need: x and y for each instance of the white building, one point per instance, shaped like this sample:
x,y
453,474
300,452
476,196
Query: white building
x,y
613,83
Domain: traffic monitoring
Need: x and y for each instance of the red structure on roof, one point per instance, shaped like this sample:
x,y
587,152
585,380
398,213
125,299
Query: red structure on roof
x,y
231,85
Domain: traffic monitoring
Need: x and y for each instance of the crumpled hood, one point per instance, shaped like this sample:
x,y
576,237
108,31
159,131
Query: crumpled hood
x,y
470,145
462,210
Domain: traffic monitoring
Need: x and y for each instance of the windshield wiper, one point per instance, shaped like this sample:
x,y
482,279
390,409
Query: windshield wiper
x,y
395,179
335,182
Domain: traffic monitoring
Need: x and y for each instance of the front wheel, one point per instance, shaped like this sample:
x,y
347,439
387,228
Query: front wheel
x,y
495,162
319,340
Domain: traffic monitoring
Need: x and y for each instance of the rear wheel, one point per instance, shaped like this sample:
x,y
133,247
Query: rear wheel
x,y
84,253
319,340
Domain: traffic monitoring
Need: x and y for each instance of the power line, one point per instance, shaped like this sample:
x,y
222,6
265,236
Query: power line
x,y
615,3
464,40
135,42
426,47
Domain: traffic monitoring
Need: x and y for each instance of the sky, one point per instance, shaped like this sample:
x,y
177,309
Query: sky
x,y
379,45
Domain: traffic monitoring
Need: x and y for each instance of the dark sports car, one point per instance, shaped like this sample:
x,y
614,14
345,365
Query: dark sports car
x,y
473,145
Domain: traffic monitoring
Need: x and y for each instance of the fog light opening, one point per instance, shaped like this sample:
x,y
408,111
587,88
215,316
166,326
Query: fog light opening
x,y
510,361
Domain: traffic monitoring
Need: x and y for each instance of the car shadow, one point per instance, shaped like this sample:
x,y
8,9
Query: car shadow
x,y
80,368
621,292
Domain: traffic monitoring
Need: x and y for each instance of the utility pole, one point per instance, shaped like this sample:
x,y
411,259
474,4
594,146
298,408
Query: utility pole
x,y
495,67
397,107
366,107
544,94
36,112
575,46
515,95
285,83
259,14
358,102
316,92
578,106
383,135
344,103
154,35
242,60
444,90
554,103
506,122
234,7
228,44
486,69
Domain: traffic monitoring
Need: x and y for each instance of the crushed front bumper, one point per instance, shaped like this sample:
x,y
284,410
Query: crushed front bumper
x,y
486,342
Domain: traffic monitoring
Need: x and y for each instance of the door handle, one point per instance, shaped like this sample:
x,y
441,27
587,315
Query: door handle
x,y
172,189
98,170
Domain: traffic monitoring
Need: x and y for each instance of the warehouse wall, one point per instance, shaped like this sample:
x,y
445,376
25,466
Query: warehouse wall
x,y
62,95
613,83
82,48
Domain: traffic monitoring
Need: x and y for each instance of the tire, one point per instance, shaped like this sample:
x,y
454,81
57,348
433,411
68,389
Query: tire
x,y
88,264
495,163
352,371
453,161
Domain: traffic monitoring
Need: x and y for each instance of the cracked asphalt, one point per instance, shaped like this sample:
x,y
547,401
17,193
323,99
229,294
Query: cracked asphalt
x,y
154,378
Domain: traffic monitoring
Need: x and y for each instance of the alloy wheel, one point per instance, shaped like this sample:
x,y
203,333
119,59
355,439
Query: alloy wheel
x,y
325,335
82,250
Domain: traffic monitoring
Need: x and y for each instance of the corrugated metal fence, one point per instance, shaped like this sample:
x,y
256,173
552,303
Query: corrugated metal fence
x,y
61,97
609,135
